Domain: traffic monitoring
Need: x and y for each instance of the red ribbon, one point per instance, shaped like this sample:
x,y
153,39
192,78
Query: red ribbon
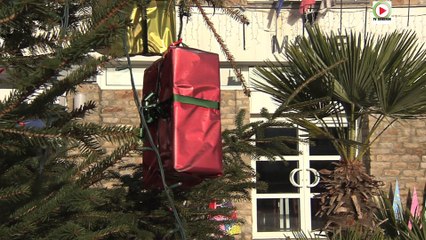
x,y
177,43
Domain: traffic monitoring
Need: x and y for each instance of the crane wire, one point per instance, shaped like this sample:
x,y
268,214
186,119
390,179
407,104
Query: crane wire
x,y
154,148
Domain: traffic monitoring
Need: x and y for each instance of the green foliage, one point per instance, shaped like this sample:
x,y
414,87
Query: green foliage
x,y
355,233
341,81
347,79
192,204
391,227
244,137
401,225
53,176
50,174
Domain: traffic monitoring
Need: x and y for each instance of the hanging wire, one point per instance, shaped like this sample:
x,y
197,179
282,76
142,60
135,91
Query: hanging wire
x,y
181,15
64,27
65,18
167,189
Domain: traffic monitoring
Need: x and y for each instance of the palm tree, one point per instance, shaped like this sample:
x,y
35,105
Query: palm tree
x,y
349,80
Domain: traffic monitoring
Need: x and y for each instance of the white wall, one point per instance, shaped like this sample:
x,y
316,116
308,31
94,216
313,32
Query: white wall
x,y
264,24
4,93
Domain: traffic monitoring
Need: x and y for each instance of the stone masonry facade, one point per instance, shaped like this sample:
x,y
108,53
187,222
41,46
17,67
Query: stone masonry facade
x,y
400,152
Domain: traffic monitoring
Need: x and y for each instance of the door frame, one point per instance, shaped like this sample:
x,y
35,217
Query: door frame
x,y
305,195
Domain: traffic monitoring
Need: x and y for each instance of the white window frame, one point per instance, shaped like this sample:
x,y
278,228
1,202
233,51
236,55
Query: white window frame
x,y
305,195
114,78
261,100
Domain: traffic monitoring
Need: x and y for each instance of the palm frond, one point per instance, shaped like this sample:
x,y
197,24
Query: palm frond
x,y
400,86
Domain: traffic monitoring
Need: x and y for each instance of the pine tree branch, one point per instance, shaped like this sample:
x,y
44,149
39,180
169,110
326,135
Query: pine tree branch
x,y
13,194
9,18
96,170
88,69
82,110
30,134
81,44
114,134
110,231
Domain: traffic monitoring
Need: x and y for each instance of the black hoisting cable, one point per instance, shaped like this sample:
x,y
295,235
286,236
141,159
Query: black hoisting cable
x,y
167,189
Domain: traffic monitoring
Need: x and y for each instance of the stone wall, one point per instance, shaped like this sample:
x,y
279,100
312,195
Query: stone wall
x,y
406,2
114,107
401,153
118,106
231,103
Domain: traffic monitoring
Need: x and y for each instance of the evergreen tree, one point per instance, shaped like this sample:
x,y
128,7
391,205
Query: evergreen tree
x,y
52,164
193,203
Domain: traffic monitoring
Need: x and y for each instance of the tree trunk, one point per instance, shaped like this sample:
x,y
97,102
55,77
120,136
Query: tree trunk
x,y
348,198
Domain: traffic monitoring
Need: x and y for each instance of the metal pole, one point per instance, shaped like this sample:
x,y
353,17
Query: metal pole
x,y
244,36
341,15
365,22
408,18
303,23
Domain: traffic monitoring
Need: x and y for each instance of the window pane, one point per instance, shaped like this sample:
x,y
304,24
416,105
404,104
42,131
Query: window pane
x,y
228,78
278,215
292,143
276,175
316,221
323,146
318,165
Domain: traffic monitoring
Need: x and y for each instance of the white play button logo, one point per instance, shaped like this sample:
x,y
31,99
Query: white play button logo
x,y
382,10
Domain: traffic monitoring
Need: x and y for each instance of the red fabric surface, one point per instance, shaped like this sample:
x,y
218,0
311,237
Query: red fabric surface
x,y
189,139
